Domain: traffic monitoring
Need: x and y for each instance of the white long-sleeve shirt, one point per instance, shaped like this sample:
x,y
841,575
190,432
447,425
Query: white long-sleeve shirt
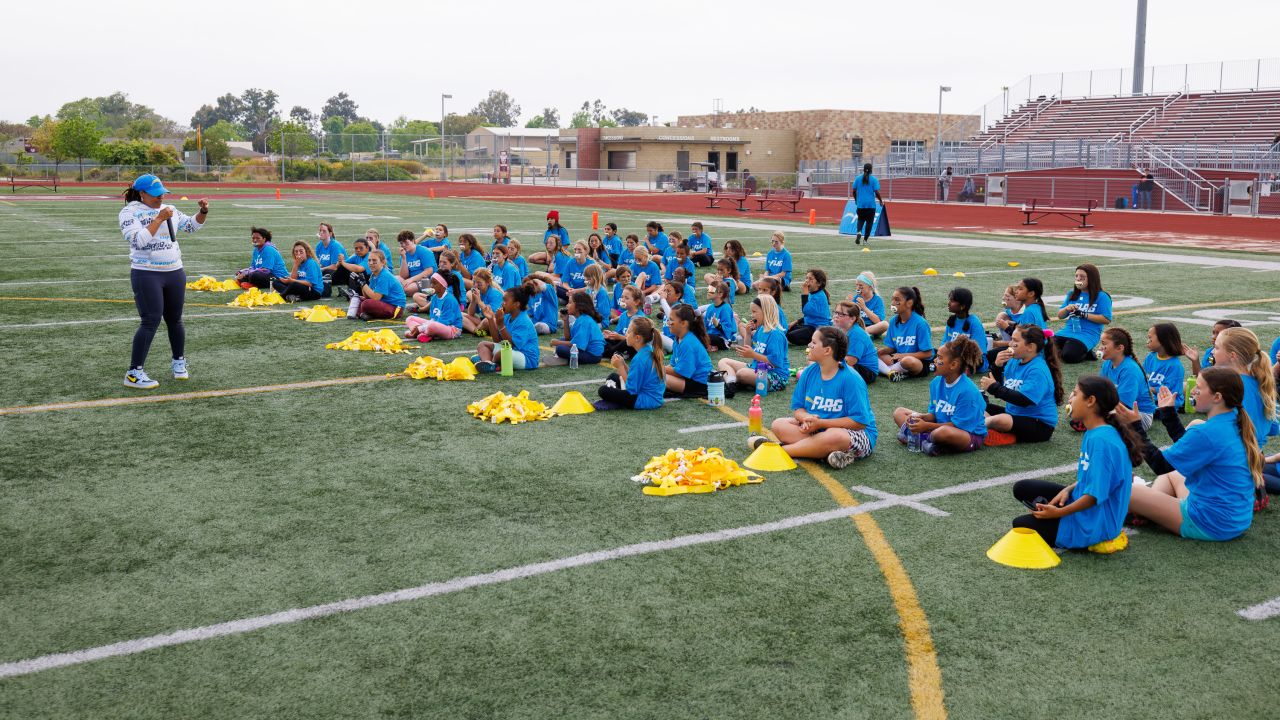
x,y
157,252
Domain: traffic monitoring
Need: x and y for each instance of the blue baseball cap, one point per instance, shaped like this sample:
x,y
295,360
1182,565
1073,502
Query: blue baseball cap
x,y
150,184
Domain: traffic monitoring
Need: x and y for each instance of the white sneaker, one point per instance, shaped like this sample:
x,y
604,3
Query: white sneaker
x,y
138,380
841,459
180,369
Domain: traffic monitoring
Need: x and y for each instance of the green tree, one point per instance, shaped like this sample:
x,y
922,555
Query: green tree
x,y
304,117
9,131
259,113
462,124
291,139
342,106
217,151
115,112
158,154
138,129
124,152
77,137
580,119
404,131
35,121
629,118
227,108
223,130
43,141
596,110
550,118
498,108
360,137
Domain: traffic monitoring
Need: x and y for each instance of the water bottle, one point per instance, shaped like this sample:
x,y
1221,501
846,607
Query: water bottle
x,y
506,354
715,389
573,356
755,417
1188,405
913,442
762,379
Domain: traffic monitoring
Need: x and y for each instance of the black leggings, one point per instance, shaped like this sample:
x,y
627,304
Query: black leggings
x,y
1072,350
867,374
702,260
618,347
157,295
304,292
1026,429
1037,491
865,217
800,334
611,392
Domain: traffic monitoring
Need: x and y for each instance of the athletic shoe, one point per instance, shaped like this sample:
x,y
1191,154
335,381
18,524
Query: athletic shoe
x,y
138,380
362,316
897,376
605,405
486,367
424,338
857,239
929,447
1077,426
1135,520
1260,499
292,298
841,459
180,369
411,333
756,441
997,438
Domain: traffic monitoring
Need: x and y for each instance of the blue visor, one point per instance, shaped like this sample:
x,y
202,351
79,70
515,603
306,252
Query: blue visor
x,y
150,184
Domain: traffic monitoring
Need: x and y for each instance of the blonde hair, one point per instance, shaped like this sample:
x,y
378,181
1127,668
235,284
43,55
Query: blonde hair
x,y
374,232
674,237
769,312
780,235
642,252
585,247
484,275
594,276
875,289
1243,343
513,244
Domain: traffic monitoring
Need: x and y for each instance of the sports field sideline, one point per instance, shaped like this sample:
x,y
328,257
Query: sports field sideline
x,y
298,528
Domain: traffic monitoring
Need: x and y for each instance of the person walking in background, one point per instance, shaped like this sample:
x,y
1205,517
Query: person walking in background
x,y
1144,191
155,272
944,184
866,191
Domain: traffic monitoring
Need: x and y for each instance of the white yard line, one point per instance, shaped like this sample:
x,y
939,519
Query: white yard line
x,y
882,495
433,589
593,381
1261,611
708,428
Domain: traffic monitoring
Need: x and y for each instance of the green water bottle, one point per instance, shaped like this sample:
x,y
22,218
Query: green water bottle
x,y
1187,387
505,353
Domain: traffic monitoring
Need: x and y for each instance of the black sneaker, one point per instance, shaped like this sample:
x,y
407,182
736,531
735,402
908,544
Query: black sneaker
x,y
857,239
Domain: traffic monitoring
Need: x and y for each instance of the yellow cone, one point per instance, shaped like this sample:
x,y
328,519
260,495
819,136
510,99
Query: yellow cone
x,y
1024,548
866,249
572,403
184,197
755,254
1014,263
770,457
930,272
957,274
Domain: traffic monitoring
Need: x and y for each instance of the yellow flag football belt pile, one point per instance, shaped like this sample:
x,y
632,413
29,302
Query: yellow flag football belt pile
x,y
383,341
253,297
320,314
514,409
681,472
428,367
209,283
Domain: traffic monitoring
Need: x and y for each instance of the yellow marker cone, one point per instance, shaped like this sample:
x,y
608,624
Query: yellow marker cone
x,y
770,457
1014,263
1024,548
957,274
930,272
572,403
866,249
755,254
184,197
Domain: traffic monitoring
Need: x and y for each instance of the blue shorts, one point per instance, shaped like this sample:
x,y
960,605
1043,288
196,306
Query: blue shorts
x,y
1189,529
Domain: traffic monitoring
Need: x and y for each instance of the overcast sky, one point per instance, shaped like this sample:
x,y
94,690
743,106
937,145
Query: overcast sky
x,y
663,57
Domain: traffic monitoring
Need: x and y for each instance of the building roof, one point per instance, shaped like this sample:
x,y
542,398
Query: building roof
x,y
519,132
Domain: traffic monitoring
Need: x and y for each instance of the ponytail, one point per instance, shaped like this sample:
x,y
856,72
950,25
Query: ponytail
x,y
1244,344
696,327
913,294
1033,335
1104,393
1037,287
131,195
648,332
1251,450
1228,384
963,297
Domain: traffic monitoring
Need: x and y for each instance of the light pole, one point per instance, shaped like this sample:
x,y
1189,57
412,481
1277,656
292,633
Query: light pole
x,y
937,143
443,97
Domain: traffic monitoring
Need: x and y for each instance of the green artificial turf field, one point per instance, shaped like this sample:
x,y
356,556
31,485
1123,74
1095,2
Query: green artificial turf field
x,y
126,522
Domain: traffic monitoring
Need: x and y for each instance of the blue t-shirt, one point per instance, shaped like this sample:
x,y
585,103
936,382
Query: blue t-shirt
x,y
817,310
1035,381
1086,331
863,348
524,338
310,271
719,319
624,321
268,257
1206,360
773,345
970,327
690,359
912,336
1211,457
388,286
545,308
612,244
492,297
626,257
585,333
521,264
1275,348
420,260
507,276
875,305
701,241
670,272
689,296
499,243
445,310
1130,382
573,272
564,236
560,265
1030,315
361,260
1256,409
1165,372
744,271
431,242
660,241
386,252
1104,472
779,261
864,191
472,261
959,403
327,253
653,274
643,380
604,305
844,395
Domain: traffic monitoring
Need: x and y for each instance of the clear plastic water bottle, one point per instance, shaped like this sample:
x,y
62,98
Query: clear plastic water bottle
x,y
573,356
913,442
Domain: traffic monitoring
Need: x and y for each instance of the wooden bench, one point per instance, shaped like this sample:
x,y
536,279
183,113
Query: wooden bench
x,y
49,183
790,197
1073,210
739,196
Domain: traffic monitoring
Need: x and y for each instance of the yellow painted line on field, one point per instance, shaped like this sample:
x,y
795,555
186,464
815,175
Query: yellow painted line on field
x,y
924,677
199,395
126,301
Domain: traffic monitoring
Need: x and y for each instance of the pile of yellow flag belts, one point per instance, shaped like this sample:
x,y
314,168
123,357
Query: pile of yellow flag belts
x,y
320,314
514,409
253,297
681,472
209,283
425,367
383,341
